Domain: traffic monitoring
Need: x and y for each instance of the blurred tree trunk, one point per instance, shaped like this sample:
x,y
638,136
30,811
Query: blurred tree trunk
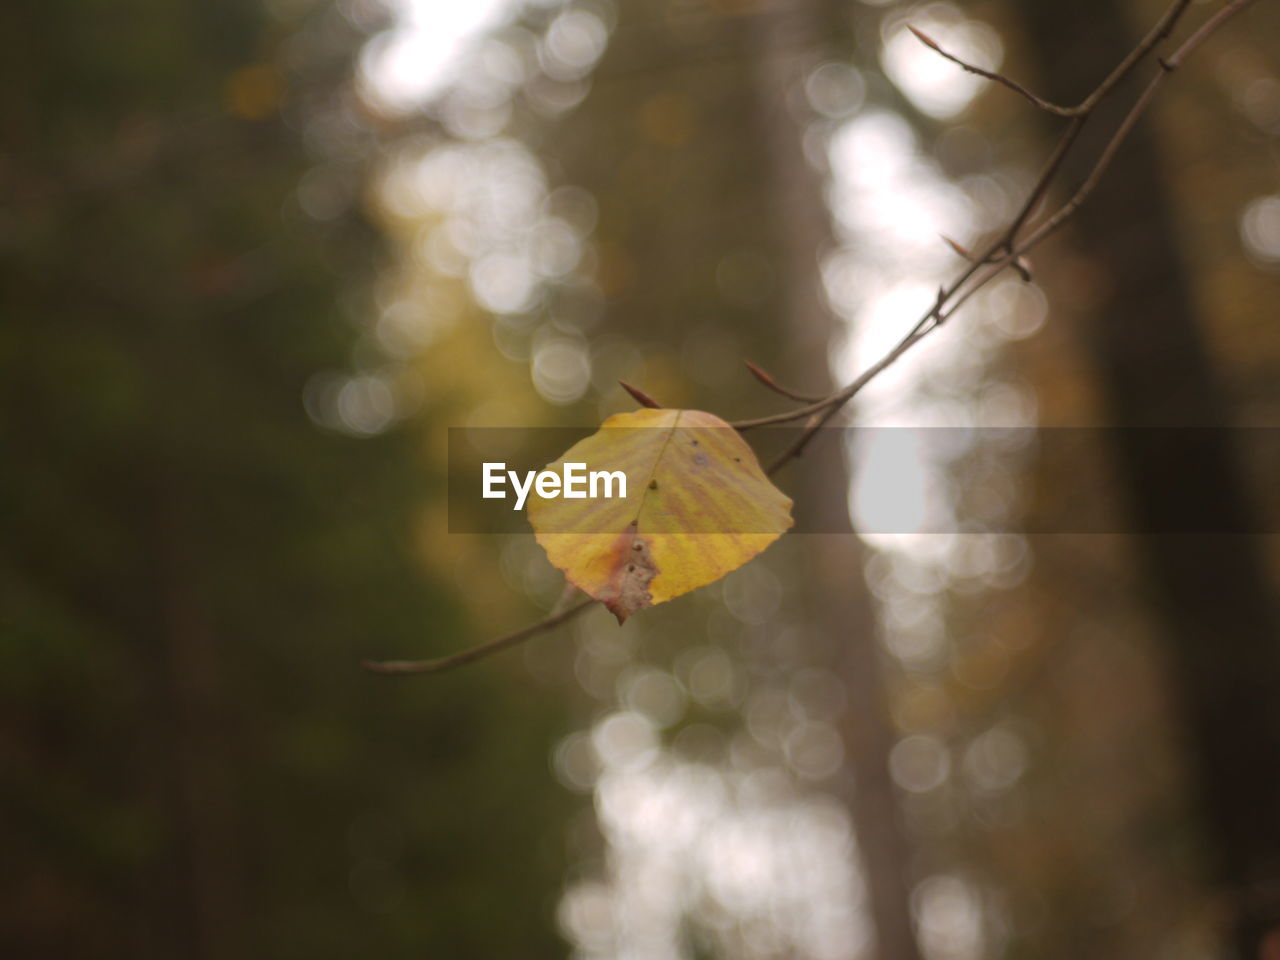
x,y
1154,368
206,880
190,568
692,106
789,39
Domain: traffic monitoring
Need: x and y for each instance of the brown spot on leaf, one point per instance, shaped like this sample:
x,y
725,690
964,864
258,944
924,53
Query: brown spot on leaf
x,y
629,588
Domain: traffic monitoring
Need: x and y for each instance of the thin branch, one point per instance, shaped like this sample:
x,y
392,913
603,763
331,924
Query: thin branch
x,y
1043,182
1052,223
1007,251
1206,30
478,652
1000,78
1163,28
775,386
923,327
788,416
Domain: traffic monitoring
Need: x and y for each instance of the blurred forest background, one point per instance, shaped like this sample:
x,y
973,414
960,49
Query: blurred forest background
x,y
256,256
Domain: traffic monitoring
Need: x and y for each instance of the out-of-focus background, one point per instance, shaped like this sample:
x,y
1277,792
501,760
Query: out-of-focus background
x,y
256,256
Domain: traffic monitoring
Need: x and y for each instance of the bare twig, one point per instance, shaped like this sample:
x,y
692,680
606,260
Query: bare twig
x,y
1052,223
775,386
1013,85
1043,182
1008,250
1206,30
478,652
1163,28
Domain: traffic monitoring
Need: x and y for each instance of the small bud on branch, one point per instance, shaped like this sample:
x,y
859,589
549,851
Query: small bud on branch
x,y
775,386
957,248
640,396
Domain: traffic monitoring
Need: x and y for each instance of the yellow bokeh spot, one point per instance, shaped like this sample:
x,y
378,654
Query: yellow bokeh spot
x,y
253,93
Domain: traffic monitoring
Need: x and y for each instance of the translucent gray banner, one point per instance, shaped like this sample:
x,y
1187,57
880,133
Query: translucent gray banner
x,y
906,480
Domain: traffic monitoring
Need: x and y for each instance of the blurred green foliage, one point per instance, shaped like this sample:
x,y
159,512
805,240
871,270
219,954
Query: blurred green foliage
x,y
190,569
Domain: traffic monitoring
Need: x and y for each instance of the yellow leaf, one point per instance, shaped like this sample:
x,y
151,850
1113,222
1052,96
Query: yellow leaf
x,y
697,506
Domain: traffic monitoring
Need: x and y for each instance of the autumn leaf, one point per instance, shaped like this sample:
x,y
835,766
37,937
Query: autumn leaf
x,y
697,506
